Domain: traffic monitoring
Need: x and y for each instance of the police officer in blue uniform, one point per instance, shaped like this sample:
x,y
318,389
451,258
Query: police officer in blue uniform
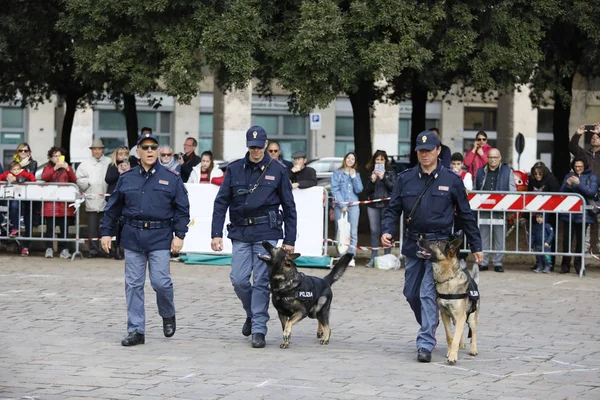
x,y
253,189
152,203
427,195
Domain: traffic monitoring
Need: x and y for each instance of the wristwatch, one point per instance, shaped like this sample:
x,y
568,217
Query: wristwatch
x,y
180,235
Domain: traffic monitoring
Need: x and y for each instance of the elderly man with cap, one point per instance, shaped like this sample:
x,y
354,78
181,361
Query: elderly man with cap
x,y
90,179
302,177
153,204
427,195
254,189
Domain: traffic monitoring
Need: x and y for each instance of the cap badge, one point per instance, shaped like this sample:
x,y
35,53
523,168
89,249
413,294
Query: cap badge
x,y
424,138
254,134
147,135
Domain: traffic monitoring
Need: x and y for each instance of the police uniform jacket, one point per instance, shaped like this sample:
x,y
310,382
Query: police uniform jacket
x,y
273,190
157,199
434,216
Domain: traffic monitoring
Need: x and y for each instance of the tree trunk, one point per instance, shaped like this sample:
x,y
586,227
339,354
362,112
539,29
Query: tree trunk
x,y
362,101
65,137
131,122
419,104
560,128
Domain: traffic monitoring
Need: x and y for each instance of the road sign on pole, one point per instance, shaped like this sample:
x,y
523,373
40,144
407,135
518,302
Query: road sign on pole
x,y
315,121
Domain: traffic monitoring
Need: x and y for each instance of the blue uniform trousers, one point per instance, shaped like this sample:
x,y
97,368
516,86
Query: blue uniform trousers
x,y
135,278
419,290
255,296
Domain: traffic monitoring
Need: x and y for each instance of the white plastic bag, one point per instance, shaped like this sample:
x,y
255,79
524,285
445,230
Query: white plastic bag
x,y
343,235
388,261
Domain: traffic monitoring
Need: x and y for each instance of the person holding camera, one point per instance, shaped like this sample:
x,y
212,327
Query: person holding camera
x,y
189,159
592,161
477,157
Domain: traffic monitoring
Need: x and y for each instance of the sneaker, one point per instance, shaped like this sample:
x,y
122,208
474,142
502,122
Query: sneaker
x,y
13,233
538,269
25,252
371,263
65,254
547,270
352,263
49,253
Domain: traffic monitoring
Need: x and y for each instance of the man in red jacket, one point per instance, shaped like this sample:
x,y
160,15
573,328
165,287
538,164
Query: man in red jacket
x,y
17,174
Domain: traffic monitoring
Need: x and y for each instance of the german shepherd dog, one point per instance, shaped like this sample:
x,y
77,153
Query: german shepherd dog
x,y
458,298
296,296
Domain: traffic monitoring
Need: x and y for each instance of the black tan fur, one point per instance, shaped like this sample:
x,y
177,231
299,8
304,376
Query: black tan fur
x,y
450,279
296,296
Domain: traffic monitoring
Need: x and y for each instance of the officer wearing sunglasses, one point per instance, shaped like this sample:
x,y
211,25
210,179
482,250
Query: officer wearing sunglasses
x,y
254,189
153,204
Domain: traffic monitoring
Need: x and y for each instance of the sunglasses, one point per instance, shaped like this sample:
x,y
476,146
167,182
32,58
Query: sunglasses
x,y
481,139
23,151
273,151
152,147
255,148
166,154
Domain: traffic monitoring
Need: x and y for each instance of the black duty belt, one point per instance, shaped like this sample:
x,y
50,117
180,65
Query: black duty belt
x,y
136,223
252,221
428,236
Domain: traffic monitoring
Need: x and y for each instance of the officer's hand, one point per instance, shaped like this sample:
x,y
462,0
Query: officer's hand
x,y
106,242
216,244
386,240
289,249
478,257
176,245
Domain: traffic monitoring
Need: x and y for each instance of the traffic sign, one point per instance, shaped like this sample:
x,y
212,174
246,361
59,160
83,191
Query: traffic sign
x,y
315,121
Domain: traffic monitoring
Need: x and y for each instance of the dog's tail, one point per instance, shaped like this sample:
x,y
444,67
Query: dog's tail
x,y
475,273
338,269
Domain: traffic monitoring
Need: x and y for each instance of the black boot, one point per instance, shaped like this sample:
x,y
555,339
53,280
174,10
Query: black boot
x,y
169,326
564,269
133,338
118,254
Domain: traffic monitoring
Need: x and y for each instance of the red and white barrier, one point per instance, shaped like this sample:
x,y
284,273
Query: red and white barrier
x,y
525,202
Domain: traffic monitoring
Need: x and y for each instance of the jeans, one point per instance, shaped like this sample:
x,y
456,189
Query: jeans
x,y
15,217
255,296
375,215
159,266
499,237
353,214
543,260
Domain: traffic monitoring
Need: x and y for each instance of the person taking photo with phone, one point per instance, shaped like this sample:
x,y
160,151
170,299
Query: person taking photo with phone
x,y
477,157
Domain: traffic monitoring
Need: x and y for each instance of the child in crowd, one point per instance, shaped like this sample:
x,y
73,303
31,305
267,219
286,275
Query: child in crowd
x,y
17,174
541,237
456,163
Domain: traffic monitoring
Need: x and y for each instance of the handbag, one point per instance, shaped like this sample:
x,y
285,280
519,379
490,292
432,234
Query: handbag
x,y
343,234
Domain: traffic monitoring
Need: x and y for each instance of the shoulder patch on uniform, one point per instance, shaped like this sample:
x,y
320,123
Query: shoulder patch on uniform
x,y
171,171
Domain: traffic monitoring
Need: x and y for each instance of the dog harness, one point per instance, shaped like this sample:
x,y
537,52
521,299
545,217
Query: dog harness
x,y
308,291
472,294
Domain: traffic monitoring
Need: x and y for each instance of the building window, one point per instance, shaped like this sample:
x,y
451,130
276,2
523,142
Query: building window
x,y
545,121
12,132
344,136
111,128
480,119
290,131
205,142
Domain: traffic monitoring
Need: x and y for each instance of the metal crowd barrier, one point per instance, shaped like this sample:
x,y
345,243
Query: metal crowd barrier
x,y
513,213
31,195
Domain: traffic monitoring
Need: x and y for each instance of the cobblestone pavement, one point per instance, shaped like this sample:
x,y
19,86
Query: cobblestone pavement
x,y
62,323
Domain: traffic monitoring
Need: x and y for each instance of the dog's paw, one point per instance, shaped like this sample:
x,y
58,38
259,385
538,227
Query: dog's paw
x,y
452,357
324,341
473,352
284,345
462,345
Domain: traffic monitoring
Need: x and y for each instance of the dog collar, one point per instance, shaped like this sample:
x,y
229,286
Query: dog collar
x,y
447,280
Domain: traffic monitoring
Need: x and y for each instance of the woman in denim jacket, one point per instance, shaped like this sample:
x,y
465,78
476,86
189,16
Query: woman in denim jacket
x,y
345,187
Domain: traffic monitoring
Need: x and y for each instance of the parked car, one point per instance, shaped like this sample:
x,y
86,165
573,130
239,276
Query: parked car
x,y
325,167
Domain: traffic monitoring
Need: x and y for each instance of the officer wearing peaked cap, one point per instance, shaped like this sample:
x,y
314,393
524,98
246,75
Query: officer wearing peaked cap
x,y
253,190
153,205
427,195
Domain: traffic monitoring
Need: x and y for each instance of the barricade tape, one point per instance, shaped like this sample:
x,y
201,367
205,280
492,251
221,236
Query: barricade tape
x,y
354,203
593,255
360,247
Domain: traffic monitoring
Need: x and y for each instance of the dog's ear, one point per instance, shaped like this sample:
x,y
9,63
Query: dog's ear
x,y
455,241
264,257
293,256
